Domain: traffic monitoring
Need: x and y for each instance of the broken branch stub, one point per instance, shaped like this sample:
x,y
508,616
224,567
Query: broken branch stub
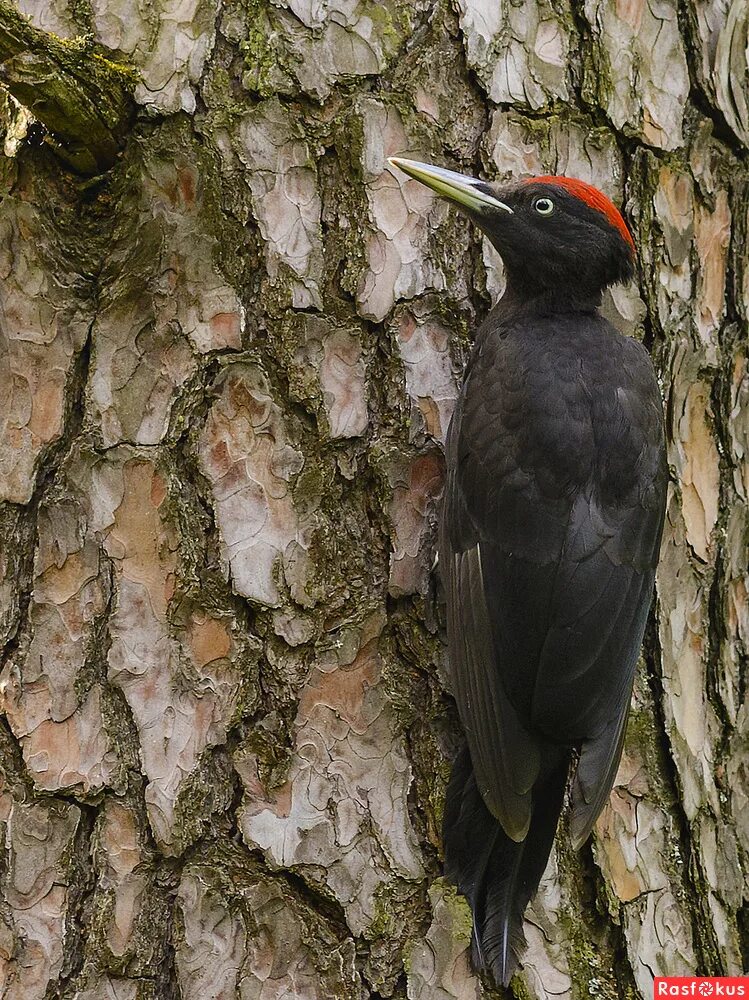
x,y
82,98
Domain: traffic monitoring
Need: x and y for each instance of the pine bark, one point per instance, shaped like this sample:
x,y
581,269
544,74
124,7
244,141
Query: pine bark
x,y
227,365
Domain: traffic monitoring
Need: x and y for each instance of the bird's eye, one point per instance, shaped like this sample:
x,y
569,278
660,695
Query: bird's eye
x,y
544,206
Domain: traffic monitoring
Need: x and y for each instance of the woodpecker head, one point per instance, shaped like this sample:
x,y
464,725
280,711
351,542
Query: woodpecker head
x,y
554,234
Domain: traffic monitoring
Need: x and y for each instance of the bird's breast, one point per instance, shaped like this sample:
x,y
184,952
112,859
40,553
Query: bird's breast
x,y
547,412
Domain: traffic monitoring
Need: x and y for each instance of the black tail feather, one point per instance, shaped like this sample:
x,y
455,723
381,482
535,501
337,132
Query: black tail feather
x,y
497,875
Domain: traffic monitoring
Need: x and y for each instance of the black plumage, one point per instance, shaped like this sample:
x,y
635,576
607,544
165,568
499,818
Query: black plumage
x,y
549,540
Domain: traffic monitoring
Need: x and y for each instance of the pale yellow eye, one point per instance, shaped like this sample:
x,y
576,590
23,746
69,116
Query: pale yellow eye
x,y
544,206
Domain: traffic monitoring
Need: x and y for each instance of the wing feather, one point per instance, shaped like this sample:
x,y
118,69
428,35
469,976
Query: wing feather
x,y
505,756
549,538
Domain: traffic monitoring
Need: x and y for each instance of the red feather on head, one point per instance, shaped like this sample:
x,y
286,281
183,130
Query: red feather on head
x,y
591,196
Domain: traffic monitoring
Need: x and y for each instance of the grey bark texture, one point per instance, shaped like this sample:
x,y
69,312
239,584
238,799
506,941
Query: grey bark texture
x,y
227,365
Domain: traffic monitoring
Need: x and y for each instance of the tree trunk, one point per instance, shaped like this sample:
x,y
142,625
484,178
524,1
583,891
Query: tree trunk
x,y
227,368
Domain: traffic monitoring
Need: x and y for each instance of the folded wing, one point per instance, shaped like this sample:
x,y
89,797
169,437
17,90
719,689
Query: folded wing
x,y
548,567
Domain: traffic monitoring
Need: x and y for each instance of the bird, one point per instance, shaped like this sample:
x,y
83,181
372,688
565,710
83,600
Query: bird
x,y
549,536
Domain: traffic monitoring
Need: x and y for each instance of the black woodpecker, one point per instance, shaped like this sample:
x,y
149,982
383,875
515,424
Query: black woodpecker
x,y
549,539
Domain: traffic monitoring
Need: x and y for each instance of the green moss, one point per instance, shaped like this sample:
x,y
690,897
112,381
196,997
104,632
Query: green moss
x,y
597,86
383,923
82,13
260,61
83,56
457,906
123,739
81,96
591,968
269,69
520,990
400,917
148,990
392,29
204,794
272,746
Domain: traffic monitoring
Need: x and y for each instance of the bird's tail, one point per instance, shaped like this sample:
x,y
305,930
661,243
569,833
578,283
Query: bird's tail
x,y
497,875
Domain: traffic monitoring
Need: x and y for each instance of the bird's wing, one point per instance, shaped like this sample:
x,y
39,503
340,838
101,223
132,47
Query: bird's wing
x,y
597,617
594,777
603,590
505,756
548,564
586,668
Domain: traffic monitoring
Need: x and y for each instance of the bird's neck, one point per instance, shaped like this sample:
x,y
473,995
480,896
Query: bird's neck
x,y
519,299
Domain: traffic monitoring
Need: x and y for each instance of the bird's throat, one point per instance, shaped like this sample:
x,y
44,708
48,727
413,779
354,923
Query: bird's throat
x,y
522,298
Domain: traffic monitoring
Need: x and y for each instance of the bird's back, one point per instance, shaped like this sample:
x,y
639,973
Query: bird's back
x,y
548,545
556,470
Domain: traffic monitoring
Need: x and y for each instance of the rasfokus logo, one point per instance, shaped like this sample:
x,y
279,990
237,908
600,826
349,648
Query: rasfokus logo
x,y
701,986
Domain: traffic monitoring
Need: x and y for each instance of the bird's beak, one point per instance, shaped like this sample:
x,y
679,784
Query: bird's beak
x,y
470,192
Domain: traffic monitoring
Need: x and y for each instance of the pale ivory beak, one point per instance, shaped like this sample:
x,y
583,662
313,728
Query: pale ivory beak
x,y
469,192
